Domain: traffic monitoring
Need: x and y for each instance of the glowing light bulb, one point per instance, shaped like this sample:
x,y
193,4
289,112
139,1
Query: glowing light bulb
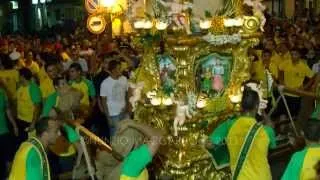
x,y
107,3
205,24
161,25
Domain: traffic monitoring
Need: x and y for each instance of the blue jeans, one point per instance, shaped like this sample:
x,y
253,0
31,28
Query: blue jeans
x,y
115,121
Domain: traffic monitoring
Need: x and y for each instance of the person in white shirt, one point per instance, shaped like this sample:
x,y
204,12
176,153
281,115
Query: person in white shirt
x,y
114,96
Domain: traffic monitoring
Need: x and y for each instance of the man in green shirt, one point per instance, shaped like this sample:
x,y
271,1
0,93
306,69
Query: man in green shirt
x,y
6,154
303,163
31,162
247,141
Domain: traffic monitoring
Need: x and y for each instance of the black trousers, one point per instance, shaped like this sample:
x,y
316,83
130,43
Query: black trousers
x,y
23,135
7,152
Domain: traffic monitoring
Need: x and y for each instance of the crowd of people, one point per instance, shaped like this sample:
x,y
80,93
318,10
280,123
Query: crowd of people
x,y
47,81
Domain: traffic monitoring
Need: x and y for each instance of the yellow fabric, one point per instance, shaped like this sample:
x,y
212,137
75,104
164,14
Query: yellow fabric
x,y
83,88
10,78
143,176
311,159
33,67
65,56
46,87
42,74
18,169
279,58
294,75
256,164
71,151
259,74
24,102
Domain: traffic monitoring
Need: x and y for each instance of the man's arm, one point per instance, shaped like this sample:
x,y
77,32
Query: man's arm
x,y
154,135
104,101
220,133
12,121
36,100
281,77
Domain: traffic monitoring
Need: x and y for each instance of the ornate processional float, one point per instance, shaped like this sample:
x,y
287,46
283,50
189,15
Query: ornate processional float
x,y
195,58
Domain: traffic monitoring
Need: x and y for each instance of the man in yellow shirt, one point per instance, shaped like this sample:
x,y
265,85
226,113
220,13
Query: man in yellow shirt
x,y
292,74
248,142
28,103
271,46
265,71
31,64
10,77
83,85
46,83
303,163
283,53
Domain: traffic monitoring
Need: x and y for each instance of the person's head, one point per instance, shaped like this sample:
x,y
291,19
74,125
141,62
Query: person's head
x,y
6,61
270,44
283,48
29,56
60,84
75,71
266,56
108,58
295,55
115,68
250,100
253,56
312,131
25,75
52,70
47,130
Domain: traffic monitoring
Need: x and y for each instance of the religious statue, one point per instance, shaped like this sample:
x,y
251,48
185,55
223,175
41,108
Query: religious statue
x,y
167,71
206,83
217,79
136,94
181,113
176,13
258,8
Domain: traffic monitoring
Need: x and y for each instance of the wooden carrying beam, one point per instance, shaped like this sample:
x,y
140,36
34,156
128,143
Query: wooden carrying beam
x,y
299,92
94,138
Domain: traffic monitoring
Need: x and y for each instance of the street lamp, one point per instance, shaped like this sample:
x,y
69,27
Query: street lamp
x,y
35,2
108,3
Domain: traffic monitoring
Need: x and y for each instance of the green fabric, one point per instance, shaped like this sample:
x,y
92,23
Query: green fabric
x,y
3,107
136,161
316,112
71,134
92,91
35,93
272,136
245,149
33,168
221,132
295,165
49,104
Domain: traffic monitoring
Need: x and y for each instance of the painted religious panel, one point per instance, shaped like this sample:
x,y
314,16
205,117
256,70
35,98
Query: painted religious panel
x,y
167,70
213,74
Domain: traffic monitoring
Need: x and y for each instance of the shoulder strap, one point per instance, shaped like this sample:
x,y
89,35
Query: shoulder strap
x,y
245,149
